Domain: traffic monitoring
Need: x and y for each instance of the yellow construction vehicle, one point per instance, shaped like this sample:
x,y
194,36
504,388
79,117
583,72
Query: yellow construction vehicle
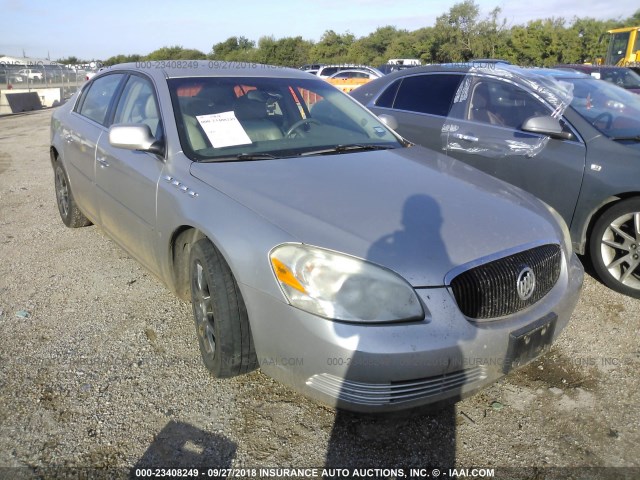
x,y
624,47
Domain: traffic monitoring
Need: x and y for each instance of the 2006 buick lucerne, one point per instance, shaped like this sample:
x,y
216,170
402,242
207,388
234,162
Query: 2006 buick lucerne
x,y
312,241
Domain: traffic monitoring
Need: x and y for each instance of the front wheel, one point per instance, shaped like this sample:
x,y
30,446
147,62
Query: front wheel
x,y
222,323
614,247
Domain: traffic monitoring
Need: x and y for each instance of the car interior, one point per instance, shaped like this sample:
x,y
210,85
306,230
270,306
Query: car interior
x,y
500,104
223,119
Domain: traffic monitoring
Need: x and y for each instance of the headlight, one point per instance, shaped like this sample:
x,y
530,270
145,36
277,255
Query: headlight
x,y
340,287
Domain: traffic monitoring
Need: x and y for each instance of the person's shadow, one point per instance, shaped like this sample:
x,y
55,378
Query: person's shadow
x,y
414,439
180,445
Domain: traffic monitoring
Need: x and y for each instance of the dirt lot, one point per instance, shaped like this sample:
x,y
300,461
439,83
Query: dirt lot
x,y
99,367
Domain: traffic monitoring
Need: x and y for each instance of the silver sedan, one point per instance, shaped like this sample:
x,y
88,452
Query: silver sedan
x,y
312,241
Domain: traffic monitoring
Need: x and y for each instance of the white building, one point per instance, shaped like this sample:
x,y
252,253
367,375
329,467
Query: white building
x,y
25,61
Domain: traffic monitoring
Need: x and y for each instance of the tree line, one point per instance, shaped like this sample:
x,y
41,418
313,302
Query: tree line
x,y
459,35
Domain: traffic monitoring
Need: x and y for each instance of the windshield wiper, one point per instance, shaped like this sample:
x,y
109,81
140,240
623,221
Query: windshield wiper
x,y
241,157
631,138
255,156
346,148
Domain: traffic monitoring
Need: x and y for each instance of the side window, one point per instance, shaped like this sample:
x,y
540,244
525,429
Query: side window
x,y
503,104
431,94
389,95
97,99
138,105
81,97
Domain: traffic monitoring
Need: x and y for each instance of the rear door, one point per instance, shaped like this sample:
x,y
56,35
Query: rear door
x,y
420,104
80,134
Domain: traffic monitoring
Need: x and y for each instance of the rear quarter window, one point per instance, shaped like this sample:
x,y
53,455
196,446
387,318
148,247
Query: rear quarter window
x,y
389,95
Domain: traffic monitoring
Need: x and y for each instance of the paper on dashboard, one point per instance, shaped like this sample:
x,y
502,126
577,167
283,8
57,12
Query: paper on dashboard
x,y
223,129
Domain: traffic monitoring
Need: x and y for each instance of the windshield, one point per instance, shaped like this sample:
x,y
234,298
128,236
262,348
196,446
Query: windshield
x,y
617,47
623,77
614,111
232,118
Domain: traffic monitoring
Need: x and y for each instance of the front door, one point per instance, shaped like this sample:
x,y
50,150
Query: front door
x,y
127,180
484,131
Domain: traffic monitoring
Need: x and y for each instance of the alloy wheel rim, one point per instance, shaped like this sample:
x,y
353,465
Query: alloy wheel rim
x,y
62,191
204,311
620,249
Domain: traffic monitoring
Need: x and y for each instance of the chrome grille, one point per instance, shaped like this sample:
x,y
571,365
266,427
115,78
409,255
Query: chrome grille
x,y
395,392
491,290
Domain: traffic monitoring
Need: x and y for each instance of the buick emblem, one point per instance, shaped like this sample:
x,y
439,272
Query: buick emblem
x,y
526,283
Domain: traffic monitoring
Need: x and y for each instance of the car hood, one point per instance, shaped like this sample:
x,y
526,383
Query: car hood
x,y
412,210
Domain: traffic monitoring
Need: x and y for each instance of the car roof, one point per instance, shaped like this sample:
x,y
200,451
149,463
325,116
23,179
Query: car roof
x,y
549,79
346,65
347,70
491,60
590,68
207,68
525,72
561,73
349,66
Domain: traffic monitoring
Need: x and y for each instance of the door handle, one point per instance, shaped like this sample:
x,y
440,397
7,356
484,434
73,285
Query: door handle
x,y
102,161
468,138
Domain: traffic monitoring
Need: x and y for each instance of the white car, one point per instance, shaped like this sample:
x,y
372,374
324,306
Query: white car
x,y
91,74
358,73
350,79
326,71
31,74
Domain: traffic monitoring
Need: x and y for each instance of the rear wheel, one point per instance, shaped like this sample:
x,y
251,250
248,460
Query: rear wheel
x,y
69,211
222,323
614,247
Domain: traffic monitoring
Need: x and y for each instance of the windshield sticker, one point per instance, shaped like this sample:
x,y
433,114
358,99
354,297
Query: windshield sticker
x,y
223,129
381,132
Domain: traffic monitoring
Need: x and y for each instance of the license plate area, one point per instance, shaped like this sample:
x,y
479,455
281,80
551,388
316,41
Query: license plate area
x,y
530,342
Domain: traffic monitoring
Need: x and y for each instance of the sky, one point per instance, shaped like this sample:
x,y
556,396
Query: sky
x,y
97,30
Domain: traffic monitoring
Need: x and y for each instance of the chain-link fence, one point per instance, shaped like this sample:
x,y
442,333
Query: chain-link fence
x,y
40,78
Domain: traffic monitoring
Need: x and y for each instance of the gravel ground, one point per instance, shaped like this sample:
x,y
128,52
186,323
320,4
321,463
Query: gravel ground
x,y
100,369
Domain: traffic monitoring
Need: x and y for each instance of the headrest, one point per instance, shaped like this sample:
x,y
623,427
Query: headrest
x,y
247,108
480,96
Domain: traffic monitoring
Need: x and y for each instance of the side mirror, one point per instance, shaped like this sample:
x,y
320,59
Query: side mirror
x,y
546,126
134,137
389,121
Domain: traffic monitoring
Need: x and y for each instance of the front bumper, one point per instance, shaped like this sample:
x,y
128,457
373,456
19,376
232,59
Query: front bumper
x,y
382,368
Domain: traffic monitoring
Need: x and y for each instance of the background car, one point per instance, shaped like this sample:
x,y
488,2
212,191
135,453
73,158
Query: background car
x,y
30,74
271,201
355,73
620,76
395,64
10,75
347,80
325,71
311,67
568,138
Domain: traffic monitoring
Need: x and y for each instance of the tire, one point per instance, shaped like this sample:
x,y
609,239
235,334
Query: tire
x,y
69,211
221,320
614,247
